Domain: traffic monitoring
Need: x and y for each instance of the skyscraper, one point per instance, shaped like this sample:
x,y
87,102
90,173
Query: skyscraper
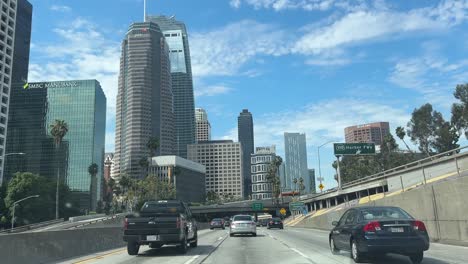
x,y
261,160
223,161
296,160
144,100
82,105
203,125
14,60
312,180
367,133
176,36
246,138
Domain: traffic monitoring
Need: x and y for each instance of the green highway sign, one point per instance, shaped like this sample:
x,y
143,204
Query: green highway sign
x,y
354,149
257,206
296,206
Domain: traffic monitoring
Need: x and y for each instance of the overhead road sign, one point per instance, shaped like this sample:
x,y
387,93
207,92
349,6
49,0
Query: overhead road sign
x,y
354,149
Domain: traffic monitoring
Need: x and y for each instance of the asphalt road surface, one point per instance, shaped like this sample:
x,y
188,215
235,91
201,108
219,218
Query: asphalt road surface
x,y
291,245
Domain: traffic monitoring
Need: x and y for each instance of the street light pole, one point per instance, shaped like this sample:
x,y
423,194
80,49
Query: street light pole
x,y
14,207
318,155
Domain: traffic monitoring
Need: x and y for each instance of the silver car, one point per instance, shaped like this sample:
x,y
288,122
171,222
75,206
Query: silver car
x,y
243,224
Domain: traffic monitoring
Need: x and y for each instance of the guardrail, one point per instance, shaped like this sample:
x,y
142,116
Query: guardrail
x,y
32,226
452,155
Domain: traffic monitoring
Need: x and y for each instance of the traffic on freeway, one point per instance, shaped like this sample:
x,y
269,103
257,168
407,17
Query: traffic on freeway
x,y
291,245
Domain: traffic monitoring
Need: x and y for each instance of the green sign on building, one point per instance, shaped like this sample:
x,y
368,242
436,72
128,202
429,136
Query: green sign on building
x,y
354,148
257,206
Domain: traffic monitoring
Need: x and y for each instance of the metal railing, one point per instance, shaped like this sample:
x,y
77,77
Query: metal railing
x,y
419,164
31,226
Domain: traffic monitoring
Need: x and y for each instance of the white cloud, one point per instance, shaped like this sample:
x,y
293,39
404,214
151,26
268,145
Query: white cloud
x,y
212,90
60,8
370,25
235,3
225,50
279,5
84,52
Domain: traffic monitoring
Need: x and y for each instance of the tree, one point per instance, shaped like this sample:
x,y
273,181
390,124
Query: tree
x,y
445,135
25,184
93,170
420,127
272,176
58,130
301,185
152,145
143,162
460,110
400,132
212,197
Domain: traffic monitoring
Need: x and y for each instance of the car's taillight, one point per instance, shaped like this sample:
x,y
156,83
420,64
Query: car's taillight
x,y
126,223
372,227
179,222
271,222
212,223
419,225
253,223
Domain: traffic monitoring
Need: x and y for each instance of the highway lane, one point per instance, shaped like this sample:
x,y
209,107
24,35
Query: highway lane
x,y
291,245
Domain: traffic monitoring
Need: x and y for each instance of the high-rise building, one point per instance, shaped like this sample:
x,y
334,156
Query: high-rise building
x,y
296,160
82,105
14,60
260,163
203,125
108,162
186,176
282,175
246,138
312,180
144,100
223,162
176,36
367,133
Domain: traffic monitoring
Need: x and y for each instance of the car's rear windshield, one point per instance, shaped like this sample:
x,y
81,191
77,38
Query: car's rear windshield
x,y
243,218
276,219
162,207
217,220
384,213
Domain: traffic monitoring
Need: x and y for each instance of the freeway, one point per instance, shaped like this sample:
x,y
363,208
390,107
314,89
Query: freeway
x,y
291,245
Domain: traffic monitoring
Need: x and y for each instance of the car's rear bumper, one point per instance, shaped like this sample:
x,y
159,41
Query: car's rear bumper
x,y
163,238
243,230
404,245
276,226
217,226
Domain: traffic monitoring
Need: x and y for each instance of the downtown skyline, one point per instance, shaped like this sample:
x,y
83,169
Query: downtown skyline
x,y
352,79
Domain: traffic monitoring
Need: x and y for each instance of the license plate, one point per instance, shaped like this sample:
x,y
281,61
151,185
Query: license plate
x,y
152,238
397,230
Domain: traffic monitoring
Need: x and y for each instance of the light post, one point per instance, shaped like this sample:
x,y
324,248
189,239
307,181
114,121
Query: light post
x,y
318,156
14,206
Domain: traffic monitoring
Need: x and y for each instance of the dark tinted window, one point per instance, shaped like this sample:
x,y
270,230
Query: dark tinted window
x,y
217,220
343,218
351,217
276,219
162,207
383,213
243,218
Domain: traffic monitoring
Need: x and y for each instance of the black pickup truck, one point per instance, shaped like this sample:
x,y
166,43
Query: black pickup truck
x,y
159,223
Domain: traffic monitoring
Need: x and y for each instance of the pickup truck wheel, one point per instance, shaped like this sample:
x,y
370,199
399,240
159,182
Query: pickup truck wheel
x,y
183,246
132,248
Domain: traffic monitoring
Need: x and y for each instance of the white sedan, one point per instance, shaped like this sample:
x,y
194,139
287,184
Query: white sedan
x,y
243,224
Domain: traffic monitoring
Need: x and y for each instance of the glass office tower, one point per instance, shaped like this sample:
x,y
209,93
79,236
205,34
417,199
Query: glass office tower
x,y
82,105
176,37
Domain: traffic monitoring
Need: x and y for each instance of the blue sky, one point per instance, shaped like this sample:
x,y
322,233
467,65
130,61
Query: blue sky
x,y
313,66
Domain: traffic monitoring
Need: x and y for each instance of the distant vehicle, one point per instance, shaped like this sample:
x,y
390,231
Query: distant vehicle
x,y
258,223
227,221
264,222
161,223
369,231
243,224
217,223
275,222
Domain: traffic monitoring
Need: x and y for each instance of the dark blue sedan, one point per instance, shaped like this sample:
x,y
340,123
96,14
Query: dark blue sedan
x,y
374,231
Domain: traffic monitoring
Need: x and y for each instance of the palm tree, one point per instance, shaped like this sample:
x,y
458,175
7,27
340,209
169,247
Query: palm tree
x,y
93,170
400,132
295,185
301,185
152,145
58,130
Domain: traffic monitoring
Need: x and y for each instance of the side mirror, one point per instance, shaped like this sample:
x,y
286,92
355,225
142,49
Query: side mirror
x,y
334,223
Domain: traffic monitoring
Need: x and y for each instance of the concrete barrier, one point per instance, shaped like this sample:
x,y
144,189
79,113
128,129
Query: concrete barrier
x,y
85,217
52,246
442,206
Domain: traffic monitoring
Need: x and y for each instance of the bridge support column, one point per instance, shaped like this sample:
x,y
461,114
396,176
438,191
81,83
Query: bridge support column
x,y
321,204
336,201
328,203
